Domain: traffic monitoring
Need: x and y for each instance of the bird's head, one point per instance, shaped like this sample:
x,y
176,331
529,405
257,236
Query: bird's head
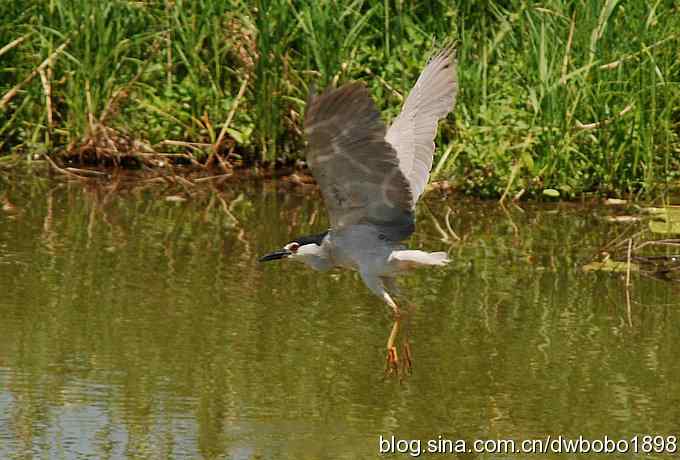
x,y
306,249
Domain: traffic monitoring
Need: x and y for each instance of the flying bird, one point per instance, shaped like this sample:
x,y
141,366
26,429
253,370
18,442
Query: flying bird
x,y
371,179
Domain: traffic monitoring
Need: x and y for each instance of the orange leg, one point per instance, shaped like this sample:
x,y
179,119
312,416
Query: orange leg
x,y
377,286
392,364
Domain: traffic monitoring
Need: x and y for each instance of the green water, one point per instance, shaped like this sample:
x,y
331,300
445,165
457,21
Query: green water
x,y
132,326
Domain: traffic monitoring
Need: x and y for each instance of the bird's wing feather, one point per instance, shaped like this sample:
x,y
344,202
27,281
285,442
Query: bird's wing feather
x,y
412,132
356,169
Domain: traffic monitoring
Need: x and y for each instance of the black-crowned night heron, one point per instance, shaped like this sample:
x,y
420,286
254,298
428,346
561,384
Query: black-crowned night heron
x,y
371,179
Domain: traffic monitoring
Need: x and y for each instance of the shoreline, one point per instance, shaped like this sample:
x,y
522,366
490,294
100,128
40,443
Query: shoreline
x,y
288,175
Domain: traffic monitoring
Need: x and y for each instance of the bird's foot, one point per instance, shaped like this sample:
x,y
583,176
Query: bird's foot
x,y
392,362
399,367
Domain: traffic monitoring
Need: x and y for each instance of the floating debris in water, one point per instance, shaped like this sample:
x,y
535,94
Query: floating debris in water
x,y
666,220
639,249
622,219
615,202
609,265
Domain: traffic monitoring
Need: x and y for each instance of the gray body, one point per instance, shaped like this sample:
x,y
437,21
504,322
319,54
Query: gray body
x,y
371,177
355,247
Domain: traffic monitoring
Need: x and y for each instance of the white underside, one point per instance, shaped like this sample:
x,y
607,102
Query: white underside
x,y
409,259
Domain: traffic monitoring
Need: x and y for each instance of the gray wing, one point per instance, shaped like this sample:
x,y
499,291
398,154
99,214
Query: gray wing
x,y
412,132
356,169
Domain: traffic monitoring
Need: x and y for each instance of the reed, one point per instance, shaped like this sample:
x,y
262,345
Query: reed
x,y
574,96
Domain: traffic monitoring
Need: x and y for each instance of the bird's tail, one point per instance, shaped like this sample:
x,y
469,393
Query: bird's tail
x,y
409,258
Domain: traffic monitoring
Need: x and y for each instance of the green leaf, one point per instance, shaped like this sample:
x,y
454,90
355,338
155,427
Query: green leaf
x,y
661,226
610,266
668,221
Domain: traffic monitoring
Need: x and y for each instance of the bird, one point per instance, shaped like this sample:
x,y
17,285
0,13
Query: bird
x,y
371,178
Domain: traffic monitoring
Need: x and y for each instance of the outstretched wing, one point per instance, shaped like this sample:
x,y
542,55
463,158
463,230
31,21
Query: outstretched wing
x,y
412,132
355,167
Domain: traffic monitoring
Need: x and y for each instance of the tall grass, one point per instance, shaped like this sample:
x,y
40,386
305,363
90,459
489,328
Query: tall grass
x,y
577,96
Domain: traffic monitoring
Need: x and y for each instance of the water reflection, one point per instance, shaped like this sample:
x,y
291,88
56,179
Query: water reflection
x,y
133,326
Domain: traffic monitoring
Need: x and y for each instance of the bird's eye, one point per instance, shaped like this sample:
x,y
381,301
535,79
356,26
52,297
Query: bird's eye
x,y
293,247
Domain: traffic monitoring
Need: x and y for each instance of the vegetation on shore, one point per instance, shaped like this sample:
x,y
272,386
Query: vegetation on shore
x,y
559,96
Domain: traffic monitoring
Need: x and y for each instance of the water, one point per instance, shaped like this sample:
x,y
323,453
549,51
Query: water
x,y
133,326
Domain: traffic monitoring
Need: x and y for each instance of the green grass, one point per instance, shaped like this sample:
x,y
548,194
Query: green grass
x,y
574,96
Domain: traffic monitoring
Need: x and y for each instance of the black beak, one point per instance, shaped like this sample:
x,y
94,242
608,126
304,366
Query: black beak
x,y
275,255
